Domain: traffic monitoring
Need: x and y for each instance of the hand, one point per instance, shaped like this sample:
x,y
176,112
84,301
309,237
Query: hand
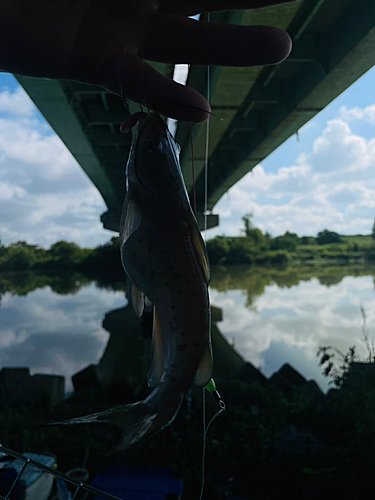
x,y
105,42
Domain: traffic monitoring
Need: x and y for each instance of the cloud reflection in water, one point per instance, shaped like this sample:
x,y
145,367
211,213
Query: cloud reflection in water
x,y
277,323
53,333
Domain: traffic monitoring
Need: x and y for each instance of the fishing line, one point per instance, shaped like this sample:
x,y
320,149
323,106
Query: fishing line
x,y
193,169
205,430
207,144
206,169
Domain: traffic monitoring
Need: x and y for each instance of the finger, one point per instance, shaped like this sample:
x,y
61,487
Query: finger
x,y
193,7
178,39
138,81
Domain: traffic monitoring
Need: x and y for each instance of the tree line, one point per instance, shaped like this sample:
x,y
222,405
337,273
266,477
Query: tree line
x,y
61,255
256,247
253,247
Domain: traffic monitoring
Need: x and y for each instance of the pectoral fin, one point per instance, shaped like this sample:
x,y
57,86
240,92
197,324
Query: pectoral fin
x,y
157,357
200,248
148,303
130,220
138,300
205,367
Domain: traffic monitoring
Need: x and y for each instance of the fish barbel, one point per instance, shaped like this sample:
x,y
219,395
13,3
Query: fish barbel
x,y
164,255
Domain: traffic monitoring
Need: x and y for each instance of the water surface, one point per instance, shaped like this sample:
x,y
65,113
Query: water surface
x,y
270,316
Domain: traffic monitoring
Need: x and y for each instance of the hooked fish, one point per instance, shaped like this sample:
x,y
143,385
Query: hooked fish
x,y
164,255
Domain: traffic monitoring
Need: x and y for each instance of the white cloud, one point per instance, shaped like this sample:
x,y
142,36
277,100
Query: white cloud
x,y
331,186
22,141
45,195
366,114
8,192
17,102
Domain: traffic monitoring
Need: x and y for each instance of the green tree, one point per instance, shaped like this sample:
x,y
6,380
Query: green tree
x,y
67,254
373,231
254,234
241,251
248,223
2,249
324,237
21,255
218,249
288,242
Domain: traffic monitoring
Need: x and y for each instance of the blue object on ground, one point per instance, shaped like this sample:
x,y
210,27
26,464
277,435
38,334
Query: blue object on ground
x,y
31,473
139,483
7,478
62,490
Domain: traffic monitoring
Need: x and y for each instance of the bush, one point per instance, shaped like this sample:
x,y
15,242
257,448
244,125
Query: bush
x,y
218,249
277,257
369,254
324,237
21,255
241,251
65,253
257,238
288,241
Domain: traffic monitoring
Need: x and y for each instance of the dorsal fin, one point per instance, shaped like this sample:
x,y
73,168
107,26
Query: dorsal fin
x,y
157,355
205,367
200,248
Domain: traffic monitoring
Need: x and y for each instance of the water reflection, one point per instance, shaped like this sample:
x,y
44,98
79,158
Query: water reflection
x,y
273,317
64,323
52,324
278,316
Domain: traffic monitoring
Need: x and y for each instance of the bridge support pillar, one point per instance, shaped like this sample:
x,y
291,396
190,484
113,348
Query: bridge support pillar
x,y
212,221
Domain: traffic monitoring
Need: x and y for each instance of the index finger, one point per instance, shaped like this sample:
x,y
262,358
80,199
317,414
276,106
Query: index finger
x,y
193,7
178,39
138,81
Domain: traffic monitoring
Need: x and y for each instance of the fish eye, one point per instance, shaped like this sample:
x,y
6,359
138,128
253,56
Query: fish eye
x,y
150,145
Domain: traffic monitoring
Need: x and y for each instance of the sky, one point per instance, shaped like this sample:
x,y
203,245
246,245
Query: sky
x,y
325,178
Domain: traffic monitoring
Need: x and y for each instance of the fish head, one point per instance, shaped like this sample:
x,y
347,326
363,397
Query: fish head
x,y
154,156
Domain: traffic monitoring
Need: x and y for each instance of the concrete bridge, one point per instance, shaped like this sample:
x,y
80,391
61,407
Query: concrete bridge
x,y
261,107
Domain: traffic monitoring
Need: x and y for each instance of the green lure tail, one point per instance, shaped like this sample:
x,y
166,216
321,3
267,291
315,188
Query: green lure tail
x,y
211,388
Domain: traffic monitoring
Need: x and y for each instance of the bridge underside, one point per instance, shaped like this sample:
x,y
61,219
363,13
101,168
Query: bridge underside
x,y
261,107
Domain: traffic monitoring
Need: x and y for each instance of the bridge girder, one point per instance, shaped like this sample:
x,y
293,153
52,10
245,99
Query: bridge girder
x,y
260,107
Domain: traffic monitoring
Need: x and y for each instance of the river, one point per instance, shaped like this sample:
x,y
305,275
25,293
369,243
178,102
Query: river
x,y
54,325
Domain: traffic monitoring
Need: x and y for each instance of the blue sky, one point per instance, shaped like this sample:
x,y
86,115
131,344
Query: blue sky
x,y
324,180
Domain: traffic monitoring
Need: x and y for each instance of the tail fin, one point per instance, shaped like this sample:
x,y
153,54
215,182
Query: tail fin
x,y
135,420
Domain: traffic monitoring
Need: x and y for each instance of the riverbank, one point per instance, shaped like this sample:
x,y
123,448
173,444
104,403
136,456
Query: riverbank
x,y
291,250
286,446
254,249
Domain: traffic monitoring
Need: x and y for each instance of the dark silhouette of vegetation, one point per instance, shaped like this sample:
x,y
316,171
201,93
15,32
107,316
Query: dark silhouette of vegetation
x,y
288,242
266,445
373,231
325,237
329,356
64,255
255,247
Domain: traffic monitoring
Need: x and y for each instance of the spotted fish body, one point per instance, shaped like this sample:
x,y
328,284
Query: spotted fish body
x,y
165,257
